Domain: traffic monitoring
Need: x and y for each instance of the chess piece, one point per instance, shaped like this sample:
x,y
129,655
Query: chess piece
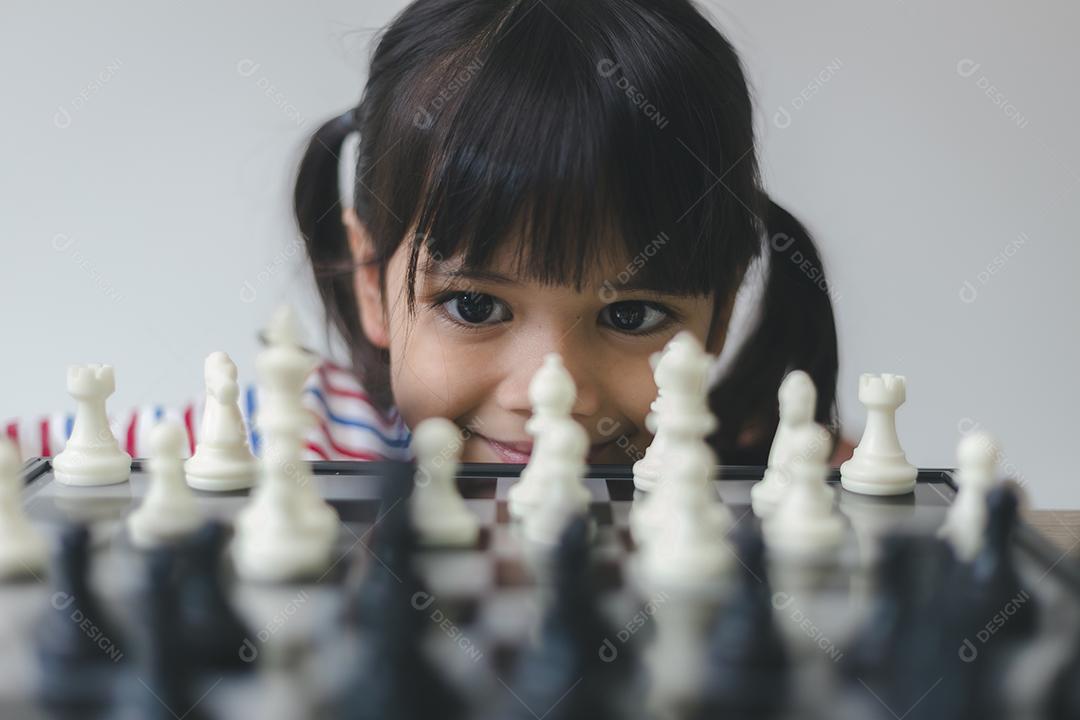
x,y
22,549
914,635
749,671
806,527
798,399
287,531
647,470
965,524
895,605
878,466
439,512
551,395
1064,697
680,372
676,655
222,460
572,671
686,548
273,542
77,667
92,456
390,563
169,511
393,679
213,631
166,671
562,471
686,485
994,583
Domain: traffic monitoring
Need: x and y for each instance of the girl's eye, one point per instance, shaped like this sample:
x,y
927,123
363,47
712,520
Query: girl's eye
x,y
469,308
635,316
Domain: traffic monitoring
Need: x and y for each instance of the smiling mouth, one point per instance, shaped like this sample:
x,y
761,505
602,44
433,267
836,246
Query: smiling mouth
x,y
518,453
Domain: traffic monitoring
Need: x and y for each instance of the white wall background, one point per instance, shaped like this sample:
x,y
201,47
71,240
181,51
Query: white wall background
x,y
148,155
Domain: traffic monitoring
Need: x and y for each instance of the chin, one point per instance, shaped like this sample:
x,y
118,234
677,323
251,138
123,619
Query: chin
x,y
613,455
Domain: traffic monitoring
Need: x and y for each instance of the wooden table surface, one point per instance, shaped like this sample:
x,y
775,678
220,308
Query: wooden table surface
x,y
1061,527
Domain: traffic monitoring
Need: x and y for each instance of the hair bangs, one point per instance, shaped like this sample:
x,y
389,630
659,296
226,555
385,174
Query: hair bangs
x,y
577,149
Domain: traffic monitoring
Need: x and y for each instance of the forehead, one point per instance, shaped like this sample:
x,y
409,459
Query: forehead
x,y
513,264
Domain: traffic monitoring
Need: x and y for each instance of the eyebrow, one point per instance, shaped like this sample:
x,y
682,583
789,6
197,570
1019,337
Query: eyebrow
x,y
474,274
634,284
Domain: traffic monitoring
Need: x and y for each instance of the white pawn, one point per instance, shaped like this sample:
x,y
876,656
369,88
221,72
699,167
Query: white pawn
x,y
688,550
565,495
92,456
805,526
22,549
551,396
223,460
273,543
977,457
798,399
878,465
169,510
439,513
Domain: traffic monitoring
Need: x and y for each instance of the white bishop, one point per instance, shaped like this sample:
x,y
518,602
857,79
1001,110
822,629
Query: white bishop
x,y
551,394
565,496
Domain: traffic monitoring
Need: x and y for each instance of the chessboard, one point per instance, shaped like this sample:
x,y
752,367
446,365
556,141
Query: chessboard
x,y
483,605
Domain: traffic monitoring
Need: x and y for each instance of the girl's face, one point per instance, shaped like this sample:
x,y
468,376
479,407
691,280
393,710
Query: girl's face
x,y
476,339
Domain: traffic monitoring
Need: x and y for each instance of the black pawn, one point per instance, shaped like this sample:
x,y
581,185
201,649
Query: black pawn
x,y
393,678
161,688
390,561
214,634
910,576
996,597
78,647
1064,699
910,661
749,667
574,673
988,612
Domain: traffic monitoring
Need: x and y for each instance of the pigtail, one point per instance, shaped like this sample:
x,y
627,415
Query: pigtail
x,y
317,206
796,330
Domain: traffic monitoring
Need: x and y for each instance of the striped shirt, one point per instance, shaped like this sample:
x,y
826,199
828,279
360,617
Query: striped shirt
x,y
347,426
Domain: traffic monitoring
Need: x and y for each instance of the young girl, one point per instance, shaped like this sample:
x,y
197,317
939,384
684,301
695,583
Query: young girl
x,y
525,177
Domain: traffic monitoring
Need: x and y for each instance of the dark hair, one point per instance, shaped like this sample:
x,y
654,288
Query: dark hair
x,y
583,130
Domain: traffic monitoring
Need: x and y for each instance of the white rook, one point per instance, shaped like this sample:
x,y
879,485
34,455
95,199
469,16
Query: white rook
x,y
878,466
92,456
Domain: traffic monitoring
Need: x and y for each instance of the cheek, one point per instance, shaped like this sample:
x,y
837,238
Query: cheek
x,y
431,376
628,390
636,391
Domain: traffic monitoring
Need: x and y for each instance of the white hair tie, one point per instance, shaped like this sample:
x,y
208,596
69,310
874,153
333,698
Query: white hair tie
x,y
350,156
745,316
